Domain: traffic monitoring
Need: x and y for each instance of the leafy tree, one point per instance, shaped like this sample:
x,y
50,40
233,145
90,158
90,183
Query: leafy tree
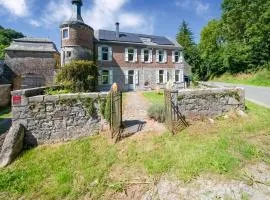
x,y
6,37
185,38
78,76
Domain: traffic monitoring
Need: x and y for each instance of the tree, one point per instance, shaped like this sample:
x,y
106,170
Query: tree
x,y
6,37
185,38
211,49
78,76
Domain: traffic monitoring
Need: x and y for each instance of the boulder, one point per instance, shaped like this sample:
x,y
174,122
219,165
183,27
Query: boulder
x,y
13,144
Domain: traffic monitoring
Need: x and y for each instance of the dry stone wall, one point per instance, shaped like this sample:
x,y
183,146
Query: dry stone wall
x,y
56,118
210,102
5,95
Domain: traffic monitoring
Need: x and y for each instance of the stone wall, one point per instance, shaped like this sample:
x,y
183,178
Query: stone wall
x,y
210,102
55,118
5,95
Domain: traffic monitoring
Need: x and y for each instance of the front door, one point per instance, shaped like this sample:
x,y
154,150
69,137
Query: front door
x,y
131,81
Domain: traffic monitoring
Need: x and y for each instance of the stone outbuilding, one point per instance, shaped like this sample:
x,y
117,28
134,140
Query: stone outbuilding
x,y
33,62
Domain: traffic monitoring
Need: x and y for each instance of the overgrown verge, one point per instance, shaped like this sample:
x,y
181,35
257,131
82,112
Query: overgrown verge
x,y
260,78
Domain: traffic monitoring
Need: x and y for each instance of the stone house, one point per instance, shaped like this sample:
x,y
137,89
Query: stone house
x,y
32,62
134,61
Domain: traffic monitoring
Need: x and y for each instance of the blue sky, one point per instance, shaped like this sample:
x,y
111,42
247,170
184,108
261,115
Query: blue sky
x,y
41,18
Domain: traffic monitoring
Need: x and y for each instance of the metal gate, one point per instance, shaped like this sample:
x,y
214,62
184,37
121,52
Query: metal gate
x,y
175,121
116,124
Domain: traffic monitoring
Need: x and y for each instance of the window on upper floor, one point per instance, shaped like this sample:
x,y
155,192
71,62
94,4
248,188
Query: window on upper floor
x,y
130,55
146,55
105,53
65,33
161,56
177,56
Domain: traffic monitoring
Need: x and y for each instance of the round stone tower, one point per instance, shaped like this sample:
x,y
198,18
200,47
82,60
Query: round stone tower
x,y
77,38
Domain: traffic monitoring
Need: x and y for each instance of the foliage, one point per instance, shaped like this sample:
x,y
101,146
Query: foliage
x,y
260,78
185,38
157,112
6,37
52,91
239,41
78,76
107,112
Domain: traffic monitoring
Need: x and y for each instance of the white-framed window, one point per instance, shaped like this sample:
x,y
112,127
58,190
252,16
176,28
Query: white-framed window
x,y
179,76
131,55
161,76
104,53
105,77
161,56
146,55
177,56
65,33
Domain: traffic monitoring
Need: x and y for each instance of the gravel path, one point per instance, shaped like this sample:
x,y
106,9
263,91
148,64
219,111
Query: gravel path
x,y
256,94
135,115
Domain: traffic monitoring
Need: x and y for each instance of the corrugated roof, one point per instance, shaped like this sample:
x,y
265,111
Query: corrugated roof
x,y
106,35
32,44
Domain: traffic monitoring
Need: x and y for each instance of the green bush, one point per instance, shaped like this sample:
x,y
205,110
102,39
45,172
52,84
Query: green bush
x,y
157,112
78,76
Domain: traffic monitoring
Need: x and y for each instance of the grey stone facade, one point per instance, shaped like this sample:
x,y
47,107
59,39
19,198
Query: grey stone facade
x,y
50,119
5,95
33,62
211,102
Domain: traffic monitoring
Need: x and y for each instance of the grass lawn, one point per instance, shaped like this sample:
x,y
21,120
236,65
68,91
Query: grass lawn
x,y
92,168
261,78
154,97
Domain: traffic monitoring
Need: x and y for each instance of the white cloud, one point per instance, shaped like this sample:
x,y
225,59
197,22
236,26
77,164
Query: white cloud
x,y
15,7
35,23
199,6
102,15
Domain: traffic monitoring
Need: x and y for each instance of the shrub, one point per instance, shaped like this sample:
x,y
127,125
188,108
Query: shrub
x,y
157,112
78,76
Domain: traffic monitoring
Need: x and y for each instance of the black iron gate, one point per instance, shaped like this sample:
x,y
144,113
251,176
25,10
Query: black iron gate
x,y
116,124
175,121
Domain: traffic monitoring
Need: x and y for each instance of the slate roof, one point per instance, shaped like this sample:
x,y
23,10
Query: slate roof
x,y
32,44
110,36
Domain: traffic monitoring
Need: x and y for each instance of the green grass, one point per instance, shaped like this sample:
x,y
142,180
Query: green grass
x,y
5,113
154,97
261,78
93,167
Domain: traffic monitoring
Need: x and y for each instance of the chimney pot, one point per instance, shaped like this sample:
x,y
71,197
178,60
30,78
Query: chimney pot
x,y
117,25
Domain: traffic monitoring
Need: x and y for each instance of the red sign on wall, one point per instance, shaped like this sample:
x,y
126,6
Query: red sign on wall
x,y
17,100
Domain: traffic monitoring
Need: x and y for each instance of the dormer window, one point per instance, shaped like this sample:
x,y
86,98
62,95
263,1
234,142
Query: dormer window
x,y
146,40
65,33
131,55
